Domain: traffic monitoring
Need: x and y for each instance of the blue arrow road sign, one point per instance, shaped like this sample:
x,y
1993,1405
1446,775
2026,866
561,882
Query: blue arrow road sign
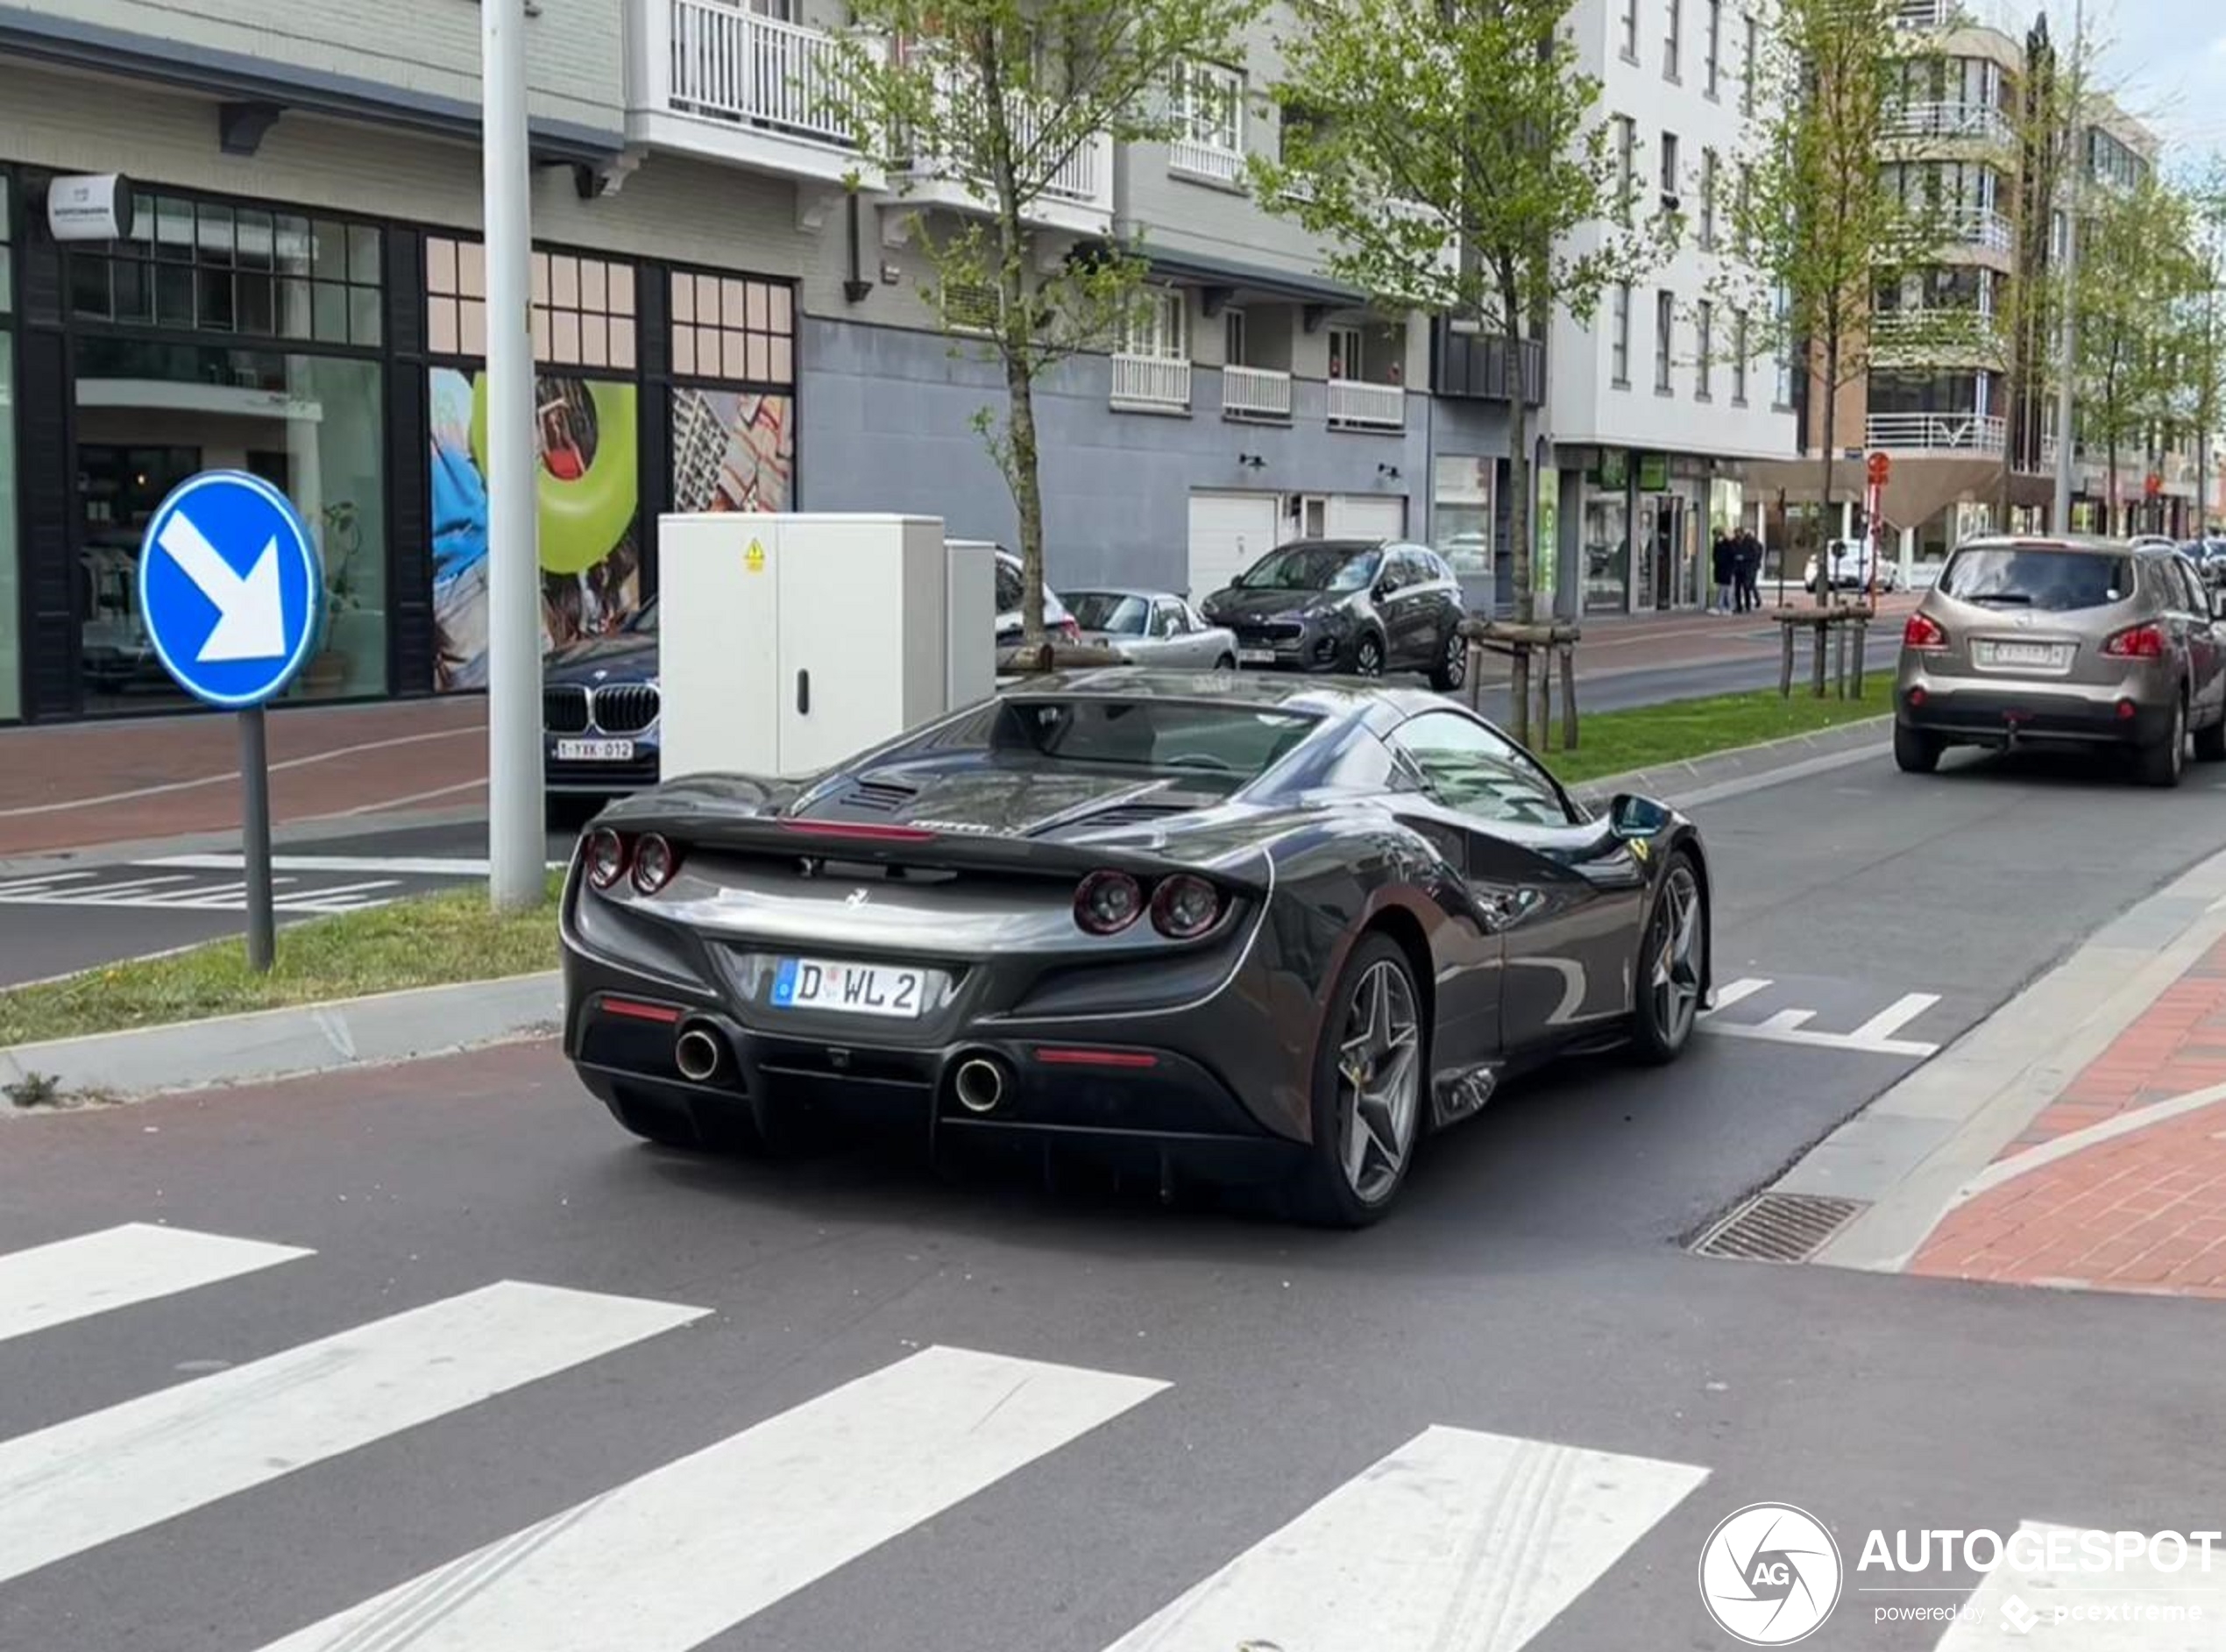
x,y
230,588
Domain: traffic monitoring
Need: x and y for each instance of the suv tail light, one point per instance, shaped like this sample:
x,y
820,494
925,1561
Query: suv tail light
x,y
1924,632
2138,642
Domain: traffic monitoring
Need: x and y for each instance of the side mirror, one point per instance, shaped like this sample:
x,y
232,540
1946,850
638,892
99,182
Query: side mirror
x,y
1634,817
1388,585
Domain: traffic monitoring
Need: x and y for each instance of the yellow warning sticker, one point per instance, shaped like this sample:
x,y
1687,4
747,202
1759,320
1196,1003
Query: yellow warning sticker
x,y
754,558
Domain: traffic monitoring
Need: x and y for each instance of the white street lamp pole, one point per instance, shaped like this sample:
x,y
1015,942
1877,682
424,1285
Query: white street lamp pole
x,y
2068,347
516,845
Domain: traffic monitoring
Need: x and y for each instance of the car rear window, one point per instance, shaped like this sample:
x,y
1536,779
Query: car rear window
x,y
2036,577
1223,740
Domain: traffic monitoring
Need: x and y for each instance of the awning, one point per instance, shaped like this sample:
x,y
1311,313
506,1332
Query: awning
x,y
1202,271
1917,488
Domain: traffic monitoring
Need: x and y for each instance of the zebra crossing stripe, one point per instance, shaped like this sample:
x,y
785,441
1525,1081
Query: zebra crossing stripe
x,y
53,1284
1456,1539
2135,1607
101,1476
664,1563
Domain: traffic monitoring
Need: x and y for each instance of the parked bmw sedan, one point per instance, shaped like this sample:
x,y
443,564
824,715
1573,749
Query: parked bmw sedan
x,y
1361,607
1257,926
2074,641
600,708
1152,628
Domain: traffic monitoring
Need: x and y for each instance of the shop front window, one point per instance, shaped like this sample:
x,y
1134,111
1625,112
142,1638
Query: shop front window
x,y
1461,519
1607,538
151,414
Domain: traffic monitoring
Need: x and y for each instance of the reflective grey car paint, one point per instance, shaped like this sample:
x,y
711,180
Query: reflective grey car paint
x,y
1525,941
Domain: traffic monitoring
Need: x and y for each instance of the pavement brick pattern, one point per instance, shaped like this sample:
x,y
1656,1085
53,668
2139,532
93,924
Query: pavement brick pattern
x,y
2142,1207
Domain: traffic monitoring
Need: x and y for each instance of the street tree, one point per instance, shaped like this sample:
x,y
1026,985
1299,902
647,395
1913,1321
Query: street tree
x,y
1824,227
1007,103
1448,154
2138,276
2028,309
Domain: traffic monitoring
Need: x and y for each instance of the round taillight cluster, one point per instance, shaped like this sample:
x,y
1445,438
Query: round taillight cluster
x,y
652,859
1182,907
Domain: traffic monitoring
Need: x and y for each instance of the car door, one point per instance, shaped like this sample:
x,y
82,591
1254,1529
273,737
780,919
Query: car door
x,y
1406,612
2206,648
1565,894
1176,647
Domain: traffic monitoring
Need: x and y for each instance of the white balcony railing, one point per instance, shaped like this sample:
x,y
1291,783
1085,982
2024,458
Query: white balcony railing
x,y
1935,432
1981,121
2001,16
1210,161
1255,392
1158,383
713,78
1079,192
1368,406
1980,226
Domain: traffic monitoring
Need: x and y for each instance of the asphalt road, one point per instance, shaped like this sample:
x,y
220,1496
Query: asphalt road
x,y
692,1466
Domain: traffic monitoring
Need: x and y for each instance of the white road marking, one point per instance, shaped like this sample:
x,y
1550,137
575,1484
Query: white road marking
x,y
2135,1608
666,1561
1456,1539
98,1478
126,891
51,1285
1768,1034
1787,1021
45,881
1895,1015
1733,991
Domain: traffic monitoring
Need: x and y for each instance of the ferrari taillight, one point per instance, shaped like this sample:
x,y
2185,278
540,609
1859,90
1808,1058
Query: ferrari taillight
x,y
1184,908
605,858
1107,903
655,861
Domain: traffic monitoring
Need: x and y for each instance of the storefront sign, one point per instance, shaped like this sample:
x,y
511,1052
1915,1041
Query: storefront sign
x,y
1654,472
96,208
1547,563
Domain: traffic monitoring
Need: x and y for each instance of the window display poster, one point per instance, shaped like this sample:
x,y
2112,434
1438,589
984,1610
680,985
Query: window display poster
x,y
588,515
732,451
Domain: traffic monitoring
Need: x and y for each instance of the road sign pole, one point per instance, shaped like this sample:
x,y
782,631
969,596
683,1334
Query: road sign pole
x,y
517,843
255,839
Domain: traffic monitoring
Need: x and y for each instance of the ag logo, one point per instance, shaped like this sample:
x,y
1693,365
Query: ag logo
x,y
1769,1574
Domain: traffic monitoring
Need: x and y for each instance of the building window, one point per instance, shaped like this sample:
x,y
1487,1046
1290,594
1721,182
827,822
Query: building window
x,y
1747,75
1670,193
1671,40
1627,161
1704,348
1209,121
1620,333
733,327
1738,359
1159,327
215,268
1665,330
1233,339
582,307
1708,200
1712,75
1631,30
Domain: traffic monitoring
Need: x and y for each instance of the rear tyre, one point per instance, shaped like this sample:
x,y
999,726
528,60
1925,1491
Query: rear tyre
x,y
1915,751
2162,760
1371,1077
2210,743
1452,667
1673,964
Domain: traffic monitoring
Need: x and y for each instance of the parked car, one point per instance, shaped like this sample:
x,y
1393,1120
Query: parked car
x,y
2209,556
600,707
1851,569
1264,928
2087,642
1152,628
1363,607
1059,625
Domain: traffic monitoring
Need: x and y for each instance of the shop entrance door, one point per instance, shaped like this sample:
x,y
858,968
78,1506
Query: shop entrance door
x,y
1661,517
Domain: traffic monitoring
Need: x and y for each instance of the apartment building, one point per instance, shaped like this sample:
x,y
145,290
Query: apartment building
x,y
291,282
1663,403
1965,435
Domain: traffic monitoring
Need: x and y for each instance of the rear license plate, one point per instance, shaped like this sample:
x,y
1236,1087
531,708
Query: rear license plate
x,y
1256,657
2043,654
813,983
594,751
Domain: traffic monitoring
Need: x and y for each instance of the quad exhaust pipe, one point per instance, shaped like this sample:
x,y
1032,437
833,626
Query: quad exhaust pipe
x,y
979,1084
699,1052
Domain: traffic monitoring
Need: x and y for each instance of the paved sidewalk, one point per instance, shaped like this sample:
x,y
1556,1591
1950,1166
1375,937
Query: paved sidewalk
x,y
85,784
1615,645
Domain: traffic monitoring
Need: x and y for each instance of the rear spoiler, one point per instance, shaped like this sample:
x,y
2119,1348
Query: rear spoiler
x,y
878,843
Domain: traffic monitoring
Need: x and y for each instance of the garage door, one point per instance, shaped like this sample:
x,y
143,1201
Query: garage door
x,y
1365,516
1228,533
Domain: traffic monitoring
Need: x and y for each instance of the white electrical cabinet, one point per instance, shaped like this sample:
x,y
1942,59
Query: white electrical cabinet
x,y
787,644
970,603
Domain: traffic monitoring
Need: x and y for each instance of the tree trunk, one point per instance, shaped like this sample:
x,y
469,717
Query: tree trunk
x,y
1831,435
1016,335
1027,496
1520,543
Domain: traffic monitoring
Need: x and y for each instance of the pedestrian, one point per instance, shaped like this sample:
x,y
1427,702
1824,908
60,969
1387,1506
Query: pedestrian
x,y
1721,563
1747,571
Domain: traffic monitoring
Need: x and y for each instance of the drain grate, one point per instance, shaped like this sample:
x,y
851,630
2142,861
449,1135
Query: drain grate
x,y
1778,1227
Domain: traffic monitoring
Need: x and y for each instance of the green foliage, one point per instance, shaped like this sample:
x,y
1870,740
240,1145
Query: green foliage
x,y
1010,102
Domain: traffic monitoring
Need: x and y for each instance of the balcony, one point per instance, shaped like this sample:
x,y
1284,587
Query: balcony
x,y
1979,227
1982,123
708,78
1256,395
1941,333
1357,405
1151,384
1078,197
1969,434
1215,163
1481,367
1998,15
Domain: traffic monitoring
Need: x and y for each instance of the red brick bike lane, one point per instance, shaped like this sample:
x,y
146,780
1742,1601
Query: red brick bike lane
x,y
2119,1183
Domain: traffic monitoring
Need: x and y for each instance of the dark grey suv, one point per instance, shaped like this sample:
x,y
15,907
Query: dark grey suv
x,y
1361,607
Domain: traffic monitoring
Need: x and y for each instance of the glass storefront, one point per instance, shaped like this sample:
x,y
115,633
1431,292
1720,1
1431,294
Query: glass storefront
x,y
1606,534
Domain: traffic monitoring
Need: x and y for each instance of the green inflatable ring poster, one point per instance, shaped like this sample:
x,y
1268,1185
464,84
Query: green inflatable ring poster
x,y
582,521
